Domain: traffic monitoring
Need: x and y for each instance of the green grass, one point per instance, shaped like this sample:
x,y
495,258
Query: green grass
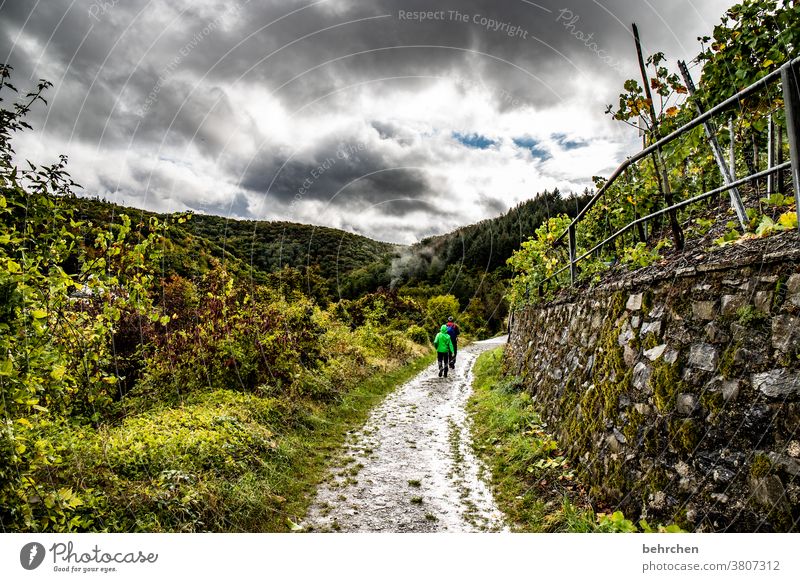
x,y
532,483
222,461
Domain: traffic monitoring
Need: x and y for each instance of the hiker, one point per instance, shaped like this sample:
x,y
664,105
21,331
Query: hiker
x,y
444,347
453,330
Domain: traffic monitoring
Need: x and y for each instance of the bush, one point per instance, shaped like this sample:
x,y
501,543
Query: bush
x,y
418,335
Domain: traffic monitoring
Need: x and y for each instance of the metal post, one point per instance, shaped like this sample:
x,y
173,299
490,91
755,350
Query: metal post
x,y
790,77
736,199
572,269
770,155
732,152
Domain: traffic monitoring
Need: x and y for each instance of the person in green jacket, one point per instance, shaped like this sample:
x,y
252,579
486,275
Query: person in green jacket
x,y
444,347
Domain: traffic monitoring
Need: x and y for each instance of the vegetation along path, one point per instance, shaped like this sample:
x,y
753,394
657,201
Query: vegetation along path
x,y
411,468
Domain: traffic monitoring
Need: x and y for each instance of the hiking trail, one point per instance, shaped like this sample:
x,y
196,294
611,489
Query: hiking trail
x,y
411,467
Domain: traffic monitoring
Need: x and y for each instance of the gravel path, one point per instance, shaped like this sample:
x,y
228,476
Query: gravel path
x,y
411,468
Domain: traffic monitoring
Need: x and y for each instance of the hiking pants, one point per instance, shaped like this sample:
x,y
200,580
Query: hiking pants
x,y
444,361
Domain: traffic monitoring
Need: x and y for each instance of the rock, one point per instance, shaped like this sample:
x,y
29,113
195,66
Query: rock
x,y
788,464
652,327
686,404
763,302
785,332
704,310
779,383
703,356
722,475
730,390
793,448
657,312
793,284
641,376
720,497
671,356
740,332
682,469
768,491
654,353
625,336
629,355
620,437
613,443
732,303
635,321
715,333
634,302
556,373
657,500
641,408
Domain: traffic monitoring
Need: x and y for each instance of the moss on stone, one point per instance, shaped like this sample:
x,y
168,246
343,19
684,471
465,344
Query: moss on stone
x,y
650,341
685,435
761,466
728,361
713,402
666,385
632,426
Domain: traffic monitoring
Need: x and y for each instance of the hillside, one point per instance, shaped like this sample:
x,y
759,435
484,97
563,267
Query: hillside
x,y
353,263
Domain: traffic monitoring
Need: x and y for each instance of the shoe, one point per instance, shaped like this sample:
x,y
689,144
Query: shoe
x,y
440,373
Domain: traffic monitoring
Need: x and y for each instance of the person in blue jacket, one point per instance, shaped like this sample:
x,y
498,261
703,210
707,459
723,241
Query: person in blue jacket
x,y
444,347
453,331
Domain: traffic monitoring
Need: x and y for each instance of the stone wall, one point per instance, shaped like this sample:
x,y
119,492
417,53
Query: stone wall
x,y
677,396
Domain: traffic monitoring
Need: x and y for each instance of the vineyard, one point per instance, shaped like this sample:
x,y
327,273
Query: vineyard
x,y
674,193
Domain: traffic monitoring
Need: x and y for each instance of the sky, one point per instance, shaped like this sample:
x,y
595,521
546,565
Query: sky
x,y
394,119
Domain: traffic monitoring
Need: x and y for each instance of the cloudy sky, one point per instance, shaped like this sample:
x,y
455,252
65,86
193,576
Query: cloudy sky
x,y
358,114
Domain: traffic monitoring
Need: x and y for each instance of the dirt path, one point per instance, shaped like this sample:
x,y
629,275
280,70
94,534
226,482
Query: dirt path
x,y
411,468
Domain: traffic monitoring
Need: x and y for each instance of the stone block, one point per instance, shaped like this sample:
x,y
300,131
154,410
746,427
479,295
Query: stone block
x,y
704,310
703,356
634,302
785,332
686,404
641,376
715,333
629,355
654,353
731,304
778,383
651,327
763,302
768,492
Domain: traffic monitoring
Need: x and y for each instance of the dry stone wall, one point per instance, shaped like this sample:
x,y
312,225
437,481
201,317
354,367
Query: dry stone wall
x,y
677,396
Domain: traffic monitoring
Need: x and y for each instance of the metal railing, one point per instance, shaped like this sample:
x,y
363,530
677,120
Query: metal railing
x,y
789,75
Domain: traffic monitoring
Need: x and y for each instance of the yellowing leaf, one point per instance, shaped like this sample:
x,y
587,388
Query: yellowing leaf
x,y
672,112
788,220
58,373
39,313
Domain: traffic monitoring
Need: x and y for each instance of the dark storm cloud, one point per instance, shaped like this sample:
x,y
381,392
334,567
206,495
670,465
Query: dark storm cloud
x,y
349,171
145,77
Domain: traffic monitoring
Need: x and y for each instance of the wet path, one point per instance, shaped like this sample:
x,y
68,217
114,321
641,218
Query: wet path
x,y
411,468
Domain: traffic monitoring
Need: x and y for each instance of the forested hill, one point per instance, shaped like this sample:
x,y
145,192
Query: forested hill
x,y
330,257
485,245
343,264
